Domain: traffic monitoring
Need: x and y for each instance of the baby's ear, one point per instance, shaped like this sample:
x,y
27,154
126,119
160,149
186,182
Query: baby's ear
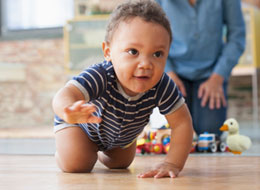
x,y
106,51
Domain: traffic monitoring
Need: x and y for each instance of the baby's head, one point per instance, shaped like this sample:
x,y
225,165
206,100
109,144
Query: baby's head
x,y
137,43
148,10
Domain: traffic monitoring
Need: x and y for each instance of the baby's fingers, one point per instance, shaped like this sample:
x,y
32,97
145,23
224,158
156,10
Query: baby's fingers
x,y
75,107
94,119
68,110
172,174
157,174
88,108
148,174
161,174
80,106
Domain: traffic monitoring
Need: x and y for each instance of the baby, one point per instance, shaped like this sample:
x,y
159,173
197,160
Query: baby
x,y
100,113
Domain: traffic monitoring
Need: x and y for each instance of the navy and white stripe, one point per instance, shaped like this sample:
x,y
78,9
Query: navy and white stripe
x,y
123,117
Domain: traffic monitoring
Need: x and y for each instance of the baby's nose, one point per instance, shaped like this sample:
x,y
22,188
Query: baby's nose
x,y
145,63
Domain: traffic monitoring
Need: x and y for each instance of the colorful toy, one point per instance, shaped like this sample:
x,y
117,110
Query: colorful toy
x,y
151,136
157,142
236,143
210,142
166,148
158,148
142,146
166,140
194,147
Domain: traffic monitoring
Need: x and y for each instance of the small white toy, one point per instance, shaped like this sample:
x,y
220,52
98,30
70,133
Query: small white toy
x,y
236,143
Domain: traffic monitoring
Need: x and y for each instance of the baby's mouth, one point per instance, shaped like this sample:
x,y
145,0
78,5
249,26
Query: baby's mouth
x,y
142,77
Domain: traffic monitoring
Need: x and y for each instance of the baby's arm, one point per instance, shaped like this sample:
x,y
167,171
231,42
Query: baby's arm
x,y
69,105
180,145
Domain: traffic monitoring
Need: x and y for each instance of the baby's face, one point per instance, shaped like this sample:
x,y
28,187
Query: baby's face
x,y
138,52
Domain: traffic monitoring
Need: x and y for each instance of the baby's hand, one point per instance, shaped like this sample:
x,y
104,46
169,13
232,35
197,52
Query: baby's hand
x,y
80,112
163,170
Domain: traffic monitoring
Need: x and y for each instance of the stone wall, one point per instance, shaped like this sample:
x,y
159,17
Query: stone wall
x,y
31,72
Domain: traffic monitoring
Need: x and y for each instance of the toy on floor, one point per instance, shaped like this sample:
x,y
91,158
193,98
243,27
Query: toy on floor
x,y
208,142
157,142
236,143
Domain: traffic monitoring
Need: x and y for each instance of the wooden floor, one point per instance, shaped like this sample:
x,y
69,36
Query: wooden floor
x,y
201,172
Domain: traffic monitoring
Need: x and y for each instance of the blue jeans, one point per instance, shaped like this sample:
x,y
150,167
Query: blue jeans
x,y
204,119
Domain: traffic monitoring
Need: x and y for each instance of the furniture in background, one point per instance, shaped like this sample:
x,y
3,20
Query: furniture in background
x,y
83,37
249,62
252,2
90,7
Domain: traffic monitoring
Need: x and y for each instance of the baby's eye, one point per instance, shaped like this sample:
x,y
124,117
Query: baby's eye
x,y
133,51
158,54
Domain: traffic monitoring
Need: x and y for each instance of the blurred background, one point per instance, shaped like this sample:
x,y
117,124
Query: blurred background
x,y
44,42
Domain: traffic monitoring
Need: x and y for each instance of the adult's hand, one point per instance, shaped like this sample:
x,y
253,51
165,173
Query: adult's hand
x,y
178,82
212,91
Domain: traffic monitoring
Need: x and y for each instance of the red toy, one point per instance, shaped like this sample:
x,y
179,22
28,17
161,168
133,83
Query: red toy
x,y
157,142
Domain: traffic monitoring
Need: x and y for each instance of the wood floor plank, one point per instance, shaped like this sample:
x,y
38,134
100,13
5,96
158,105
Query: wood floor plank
x,y
201,172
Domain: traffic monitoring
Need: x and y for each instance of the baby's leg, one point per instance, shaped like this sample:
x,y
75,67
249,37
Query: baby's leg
x,y
75,152
118,158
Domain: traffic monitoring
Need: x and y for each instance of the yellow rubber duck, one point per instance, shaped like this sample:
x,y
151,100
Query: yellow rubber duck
x,y
236,143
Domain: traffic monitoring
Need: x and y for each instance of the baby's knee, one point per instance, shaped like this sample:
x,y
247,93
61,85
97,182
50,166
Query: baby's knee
x,y
75,168
118,165
74,165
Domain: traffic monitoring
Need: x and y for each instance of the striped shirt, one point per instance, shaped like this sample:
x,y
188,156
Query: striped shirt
x,y
123,117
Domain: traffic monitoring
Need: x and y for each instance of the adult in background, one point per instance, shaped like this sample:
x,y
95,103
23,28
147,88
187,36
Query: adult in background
x,y
200,60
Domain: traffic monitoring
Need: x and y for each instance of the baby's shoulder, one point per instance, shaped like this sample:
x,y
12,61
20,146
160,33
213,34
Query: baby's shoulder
x,y
105,68
102,69
165,82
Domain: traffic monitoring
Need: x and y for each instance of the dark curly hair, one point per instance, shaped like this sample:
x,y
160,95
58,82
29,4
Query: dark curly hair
x,y
148,10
